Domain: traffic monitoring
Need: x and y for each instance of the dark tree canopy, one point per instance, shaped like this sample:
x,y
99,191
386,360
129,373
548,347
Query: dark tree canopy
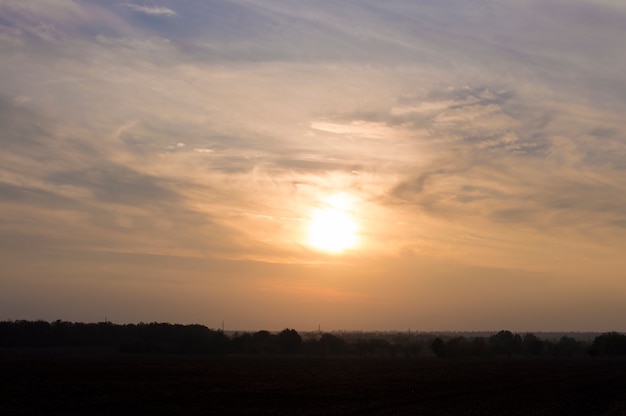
x,y
289,341
198,339
610,343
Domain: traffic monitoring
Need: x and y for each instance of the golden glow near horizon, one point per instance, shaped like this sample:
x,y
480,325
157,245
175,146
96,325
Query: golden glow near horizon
x,y
333,227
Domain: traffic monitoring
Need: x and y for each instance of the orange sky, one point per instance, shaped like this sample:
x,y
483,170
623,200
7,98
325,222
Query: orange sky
x,y
353,165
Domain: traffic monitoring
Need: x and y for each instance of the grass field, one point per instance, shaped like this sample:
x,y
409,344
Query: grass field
x,y
110,384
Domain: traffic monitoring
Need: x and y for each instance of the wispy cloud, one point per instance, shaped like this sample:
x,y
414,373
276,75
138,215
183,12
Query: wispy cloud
x,y
151,10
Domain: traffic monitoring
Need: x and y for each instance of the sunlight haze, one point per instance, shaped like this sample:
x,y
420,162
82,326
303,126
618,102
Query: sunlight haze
x,y
361,165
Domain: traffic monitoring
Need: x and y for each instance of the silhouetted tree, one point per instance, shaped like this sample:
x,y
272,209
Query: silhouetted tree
x,y
438,347
289,341
479,347
332,345
504,342
533,346
568,347
264,342
457,347
610,343
242,344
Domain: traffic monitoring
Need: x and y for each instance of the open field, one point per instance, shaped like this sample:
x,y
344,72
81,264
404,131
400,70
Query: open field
x,y
91,384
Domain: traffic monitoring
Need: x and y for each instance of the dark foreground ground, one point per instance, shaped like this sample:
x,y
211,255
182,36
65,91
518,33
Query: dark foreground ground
x,y
108,384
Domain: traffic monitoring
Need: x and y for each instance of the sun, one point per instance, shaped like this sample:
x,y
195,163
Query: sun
x,y
333,228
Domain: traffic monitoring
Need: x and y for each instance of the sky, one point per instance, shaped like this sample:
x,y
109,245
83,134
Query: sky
x,y
353,165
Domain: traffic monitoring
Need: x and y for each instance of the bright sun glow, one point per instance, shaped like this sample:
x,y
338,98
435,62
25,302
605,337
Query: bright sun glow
x,y
333,227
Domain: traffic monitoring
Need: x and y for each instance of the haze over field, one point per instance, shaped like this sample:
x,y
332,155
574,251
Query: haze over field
x,y
438,165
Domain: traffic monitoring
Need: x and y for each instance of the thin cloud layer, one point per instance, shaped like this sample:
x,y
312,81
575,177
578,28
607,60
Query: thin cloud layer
x,y
151,10
187,143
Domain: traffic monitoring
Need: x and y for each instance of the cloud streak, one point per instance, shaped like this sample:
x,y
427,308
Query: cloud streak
x,y
151,10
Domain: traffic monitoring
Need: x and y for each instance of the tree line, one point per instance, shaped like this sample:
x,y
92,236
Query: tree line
x,y
198,339
506,343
